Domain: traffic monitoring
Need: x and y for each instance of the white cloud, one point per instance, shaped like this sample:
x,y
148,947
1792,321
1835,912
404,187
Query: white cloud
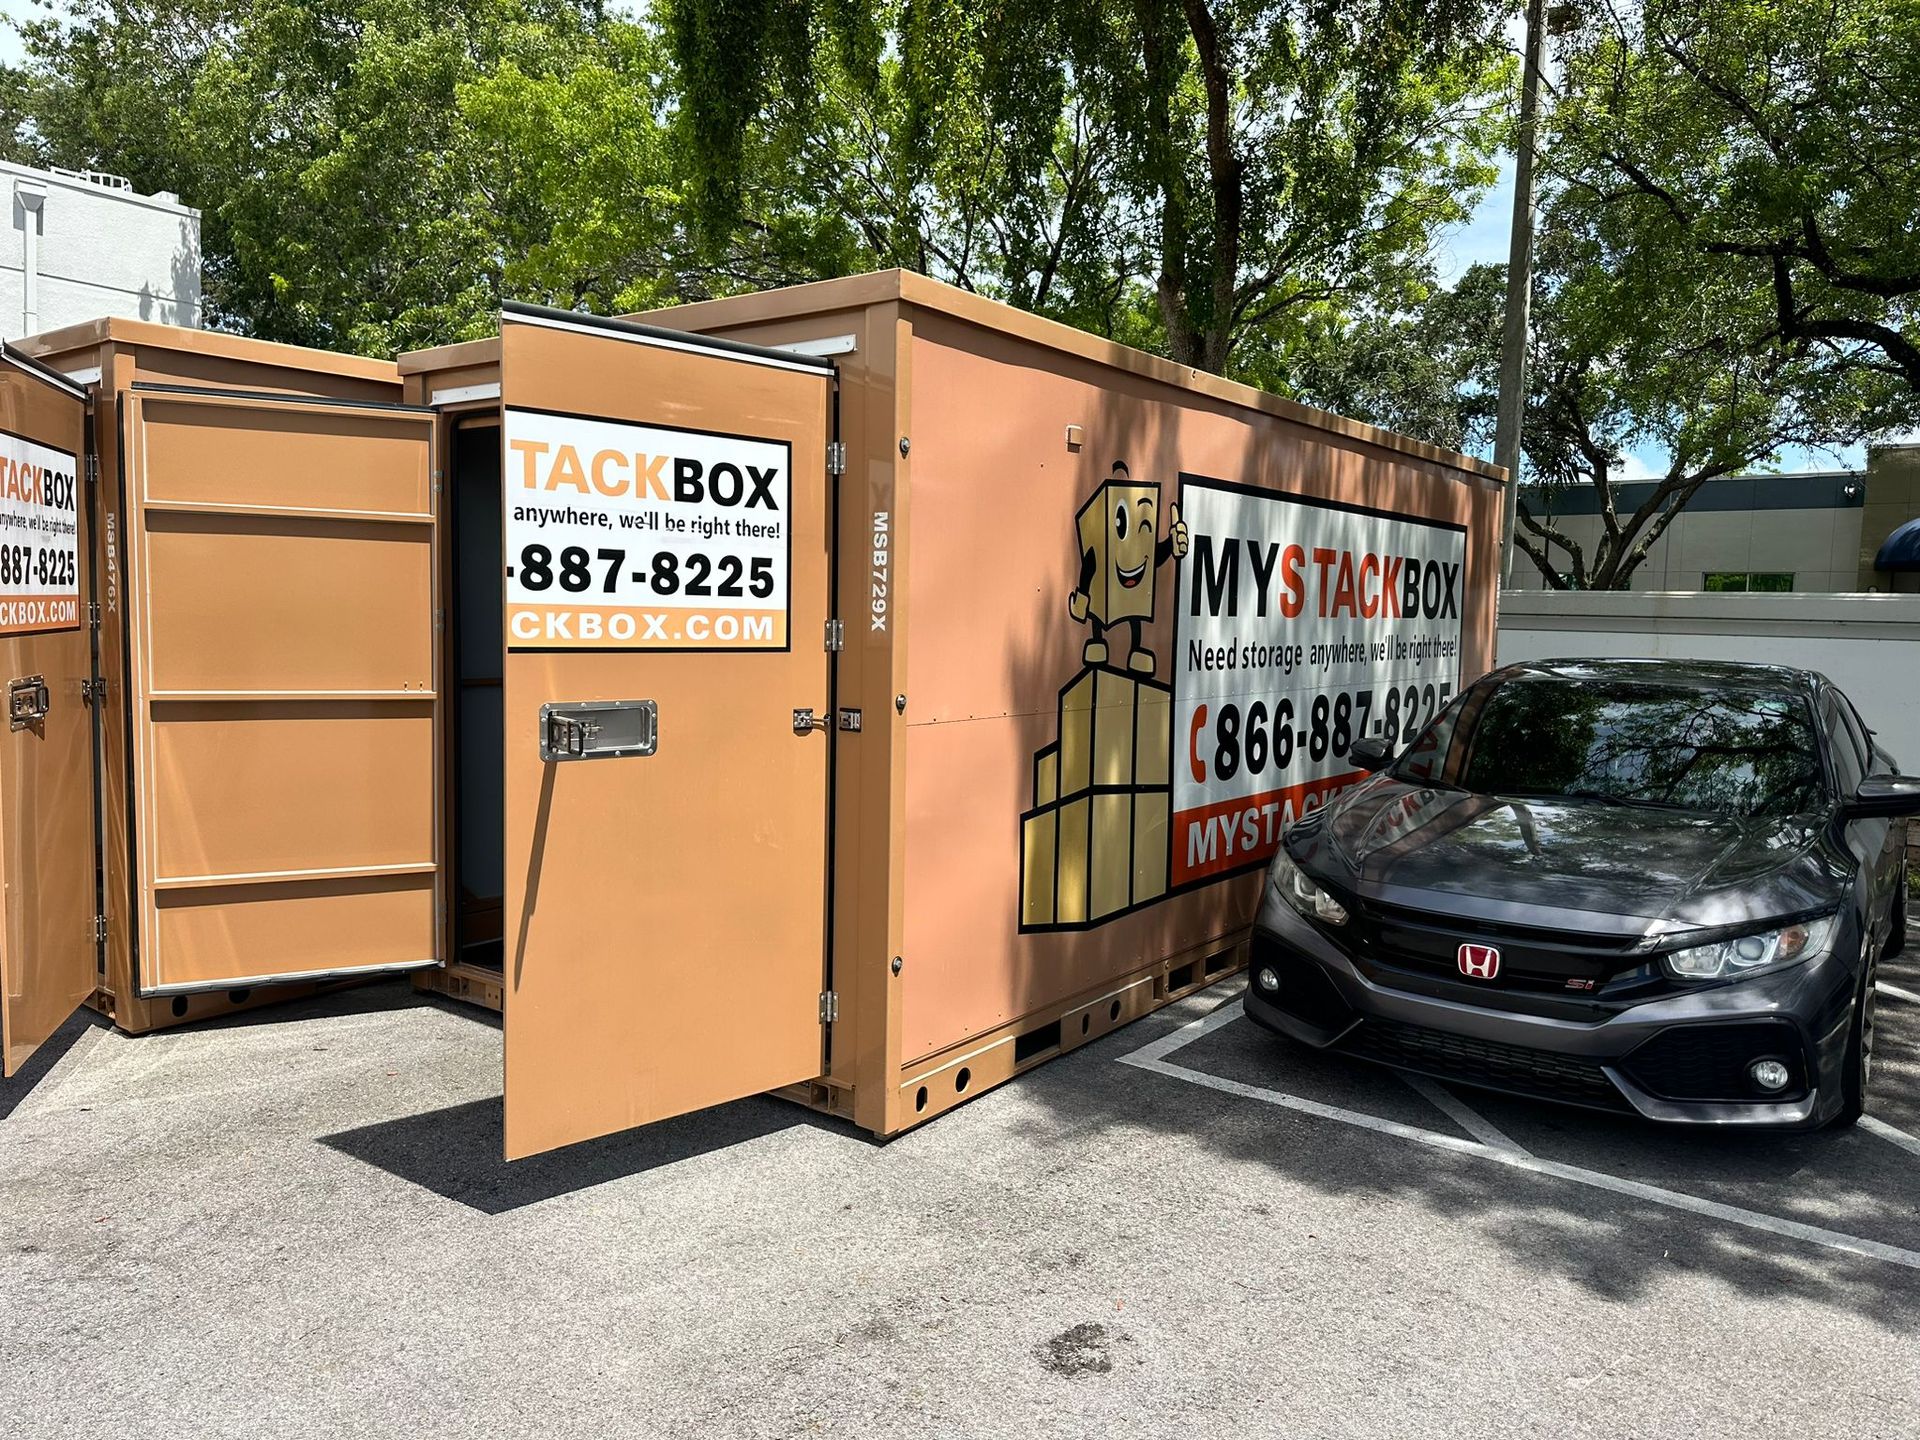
x,y
1637,465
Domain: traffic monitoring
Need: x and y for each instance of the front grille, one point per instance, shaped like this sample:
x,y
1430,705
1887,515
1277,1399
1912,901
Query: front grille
x,y
1531,960
1709,1062
1461,1058
1493,932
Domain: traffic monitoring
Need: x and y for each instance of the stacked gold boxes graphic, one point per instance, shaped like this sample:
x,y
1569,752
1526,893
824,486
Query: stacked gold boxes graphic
x,y
1095,842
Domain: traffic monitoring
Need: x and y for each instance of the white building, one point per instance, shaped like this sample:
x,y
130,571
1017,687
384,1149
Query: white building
x,y
84,246
1813,531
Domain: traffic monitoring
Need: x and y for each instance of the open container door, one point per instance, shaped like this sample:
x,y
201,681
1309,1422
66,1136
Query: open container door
x,y
666,510
48,948
282,663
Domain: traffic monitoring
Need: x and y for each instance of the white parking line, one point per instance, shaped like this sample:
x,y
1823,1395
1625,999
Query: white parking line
x,y
1153,1057
1463,1115
1173,1040
1896,992
1891,1134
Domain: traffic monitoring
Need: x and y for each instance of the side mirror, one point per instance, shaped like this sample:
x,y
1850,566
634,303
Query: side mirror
x,y
1370,753
1882,797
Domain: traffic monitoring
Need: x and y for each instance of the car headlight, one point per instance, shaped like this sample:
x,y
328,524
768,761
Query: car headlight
x,y
1302,894
1751,954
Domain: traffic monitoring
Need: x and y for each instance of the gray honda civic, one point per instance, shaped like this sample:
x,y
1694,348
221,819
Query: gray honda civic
x,y
1649,887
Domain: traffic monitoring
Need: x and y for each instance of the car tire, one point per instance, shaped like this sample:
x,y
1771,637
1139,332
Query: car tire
x,y
1856,1074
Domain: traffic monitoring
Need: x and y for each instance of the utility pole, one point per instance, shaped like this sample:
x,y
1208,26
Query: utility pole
x,y
1515,334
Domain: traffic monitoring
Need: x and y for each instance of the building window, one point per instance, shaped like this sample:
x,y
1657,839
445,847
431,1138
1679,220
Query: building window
x,y
1776,582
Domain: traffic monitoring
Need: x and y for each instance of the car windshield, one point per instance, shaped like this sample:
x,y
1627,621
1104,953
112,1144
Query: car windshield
x,y
1724,750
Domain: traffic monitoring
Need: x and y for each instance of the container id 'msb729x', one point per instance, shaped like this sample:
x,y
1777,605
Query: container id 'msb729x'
x,y
862,691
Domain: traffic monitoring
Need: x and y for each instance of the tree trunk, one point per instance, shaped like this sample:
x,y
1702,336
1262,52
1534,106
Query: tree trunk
x,y
1163,158
1226,175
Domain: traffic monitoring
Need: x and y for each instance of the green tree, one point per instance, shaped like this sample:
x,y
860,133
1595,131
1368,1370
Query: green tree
x,y
377,174
348,156
1251,161
1427,368
1728,266
573,168
1771,148
1003,194
1651,352
1624,358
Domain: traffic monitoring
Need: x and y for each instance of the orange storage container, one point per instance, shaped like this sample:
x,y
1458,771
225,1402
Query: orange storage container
x,y
863,691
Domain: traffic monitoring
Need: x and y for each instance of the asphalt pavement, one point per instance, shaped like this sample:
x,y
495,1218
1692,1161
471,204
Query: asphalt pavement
x,y
296,1223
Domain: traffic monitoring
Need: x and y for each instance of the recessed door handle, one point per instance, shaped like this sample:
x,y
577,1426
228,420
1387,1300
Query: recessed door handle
x,y
598,729
27,701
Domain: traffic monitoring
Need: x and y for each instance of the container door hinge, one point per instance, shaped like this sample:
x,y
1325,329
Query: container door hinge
x,y
829,1007
836,636
99,929
93,469
93,613
93,692
836,457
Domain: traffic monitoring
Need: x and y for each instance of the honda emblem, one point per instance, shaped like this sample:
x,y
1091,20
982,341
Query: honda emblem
x,y
1479,962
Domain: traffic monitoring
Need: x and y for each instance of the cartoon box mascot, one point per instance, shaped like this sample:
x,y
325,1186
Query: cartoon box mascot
x,y
1118,558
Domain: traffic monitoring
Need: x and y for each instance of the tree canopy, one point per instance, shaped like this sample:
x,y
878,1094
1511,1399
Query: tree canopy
x,y
351,192
1764,148
1728,259
1211,171
1195,178
1622,361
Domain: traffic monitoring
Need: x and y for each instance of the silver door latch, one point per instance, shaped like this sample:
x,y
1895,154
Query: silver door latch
x,y
805,722
27,701
598,729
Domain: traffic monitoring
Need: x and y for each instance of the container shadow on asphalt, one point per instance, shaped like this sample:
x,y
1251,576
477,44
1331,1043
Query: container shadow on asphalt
x,y
345,997
1612,1245
456,1152
16,1088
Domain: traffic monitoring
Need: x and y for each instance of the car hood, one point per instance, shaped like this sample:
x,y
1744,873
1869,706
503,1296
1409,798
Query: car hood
x,y
1624,869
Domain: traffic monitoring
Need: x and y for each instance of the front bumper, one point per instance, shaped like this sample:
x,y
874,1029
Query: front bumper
x,y
1678,1058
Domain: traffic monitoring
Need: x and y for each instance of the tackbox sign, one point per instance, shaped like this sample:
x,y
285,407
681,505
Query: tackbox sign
x,y
640,537
39,537
1300,627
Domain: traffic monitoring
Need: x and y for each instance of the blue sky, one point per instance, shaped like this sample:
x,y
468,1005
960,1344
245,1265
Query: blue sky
x,y
1483,239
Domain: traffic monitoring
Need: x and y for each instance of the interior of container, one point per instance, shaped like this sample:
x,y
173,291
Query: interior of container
x,y
474,753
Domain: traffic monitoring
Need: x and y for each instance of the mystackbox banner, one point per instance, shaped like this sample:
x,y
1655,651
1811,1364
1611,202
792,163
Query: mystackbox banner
x,y
1301,626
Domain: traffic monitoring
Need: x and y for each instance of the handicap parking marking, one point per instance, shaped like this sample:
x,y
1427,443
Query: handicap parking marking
x,y
1154,1058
